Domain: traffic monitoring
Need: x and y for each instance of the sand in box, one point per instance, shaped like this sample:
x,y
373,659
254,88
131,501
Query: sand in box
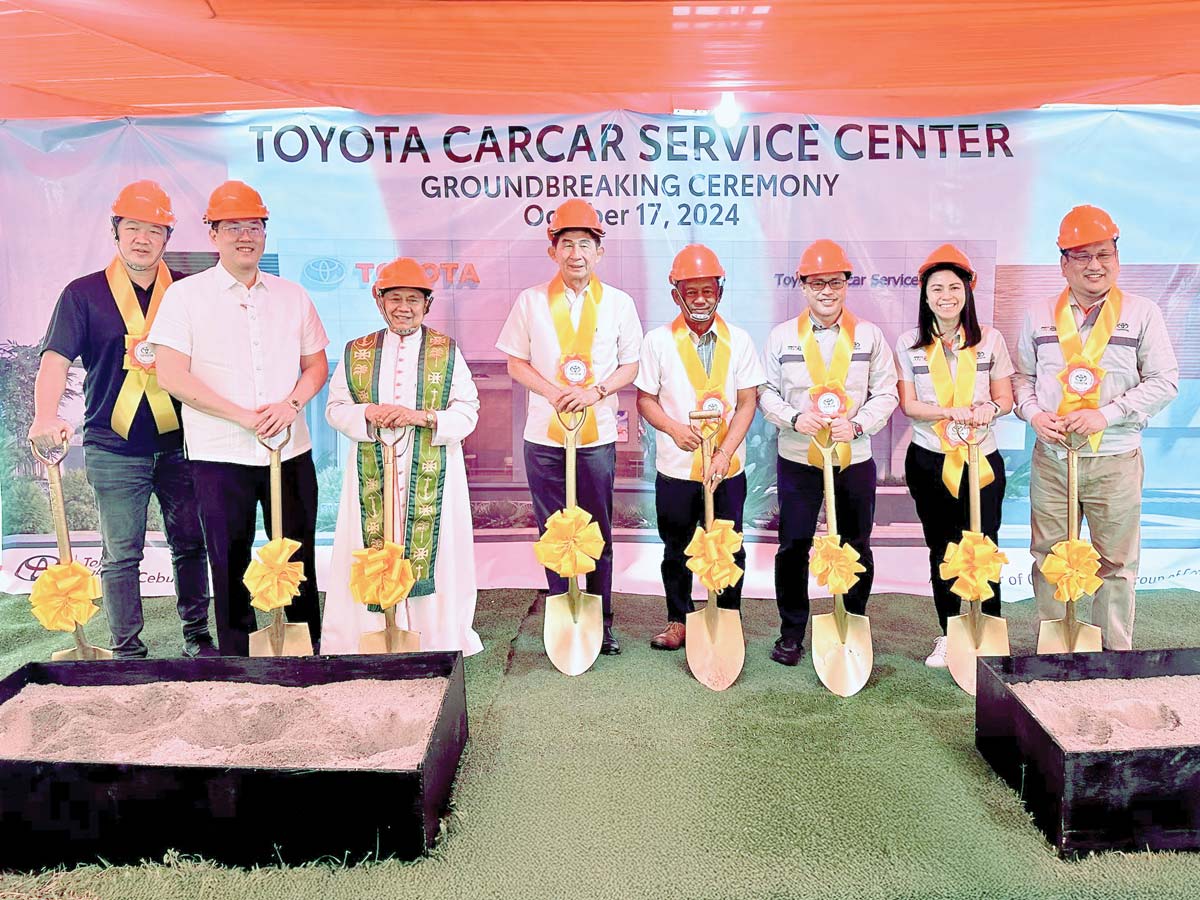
x,y
358,724
1117,714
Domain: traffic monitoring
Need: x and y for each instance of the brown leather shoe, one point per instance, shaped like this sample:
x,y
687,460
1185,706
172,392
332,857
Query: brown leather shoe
x,y
671,639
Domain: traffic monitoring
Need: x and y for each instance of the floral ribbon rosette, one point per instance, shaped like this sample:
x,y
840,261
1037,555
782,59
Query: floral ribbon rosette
x,y
571,543
64,596
271,579
974,563
381,576
1071,567
710,555
834,564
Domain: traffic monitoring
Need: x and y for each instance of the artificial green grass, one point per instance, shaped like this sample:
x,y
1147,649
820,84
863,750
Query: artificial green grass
x,y
635,781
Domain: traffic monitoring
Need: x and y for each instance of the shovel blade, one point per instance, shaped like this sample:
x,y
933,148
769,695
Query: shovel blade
x,y
842,666
573,641
716,648
84,653
390,640
962,651
297,641
1054,636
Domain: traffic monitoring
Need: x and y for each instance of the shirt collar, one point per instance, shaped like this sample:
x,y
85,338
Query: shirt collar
x,y
817,326
227,279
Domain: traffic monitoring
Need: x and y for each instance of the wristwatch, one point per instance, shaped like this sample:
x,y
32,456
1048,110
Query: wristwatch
x,y
430,419
794,418
858,430
295,404
601,390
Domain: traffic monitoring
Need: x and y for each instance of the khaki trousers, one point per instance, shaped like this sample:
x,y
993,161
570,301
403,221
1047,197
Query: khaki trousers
x,y
1110,499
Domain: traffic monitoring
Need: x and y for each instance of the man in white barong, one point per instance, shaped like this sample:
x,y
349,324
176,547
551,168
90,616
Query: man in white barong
x,y
406,376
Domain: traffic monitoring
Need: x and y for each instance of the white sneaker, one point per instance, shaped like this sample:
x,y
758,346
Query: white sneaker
x,y
937,659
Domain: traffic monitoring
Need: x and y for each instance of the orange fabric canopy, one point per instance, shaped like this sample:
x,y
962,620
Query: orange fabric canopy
x,y
107,58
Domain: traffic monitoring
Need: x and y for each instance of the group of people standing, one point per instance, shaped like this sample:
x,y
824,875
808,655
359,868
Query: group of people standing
x,y
233,354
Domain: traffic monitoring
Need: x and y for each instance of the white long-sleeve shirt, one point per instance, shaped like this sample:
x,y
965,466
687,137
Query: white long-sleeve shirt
x,y
870,384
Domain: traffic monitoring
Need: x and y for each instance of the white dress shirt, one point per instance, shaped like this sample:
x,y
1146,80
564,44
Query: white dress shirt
x,y
245,344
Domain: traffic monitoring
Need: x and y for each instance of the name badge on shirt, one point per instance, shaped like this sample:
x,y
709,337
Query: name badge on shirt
x,y
829,404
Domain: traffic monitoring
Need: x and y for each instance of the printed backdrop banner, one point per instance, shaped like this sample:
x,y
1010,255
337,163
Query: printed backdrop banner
x,y
471,197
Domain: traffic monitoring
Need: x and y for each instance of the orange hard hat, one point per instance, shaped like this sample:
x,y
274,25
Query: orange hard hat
x,y
402,272
695,261
1086,225
234,200
145,201
948,254
823,256
575,213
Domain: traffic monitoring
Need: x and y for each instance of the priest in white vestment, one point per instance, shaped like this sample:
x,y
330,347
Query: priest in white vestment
x,y
411,378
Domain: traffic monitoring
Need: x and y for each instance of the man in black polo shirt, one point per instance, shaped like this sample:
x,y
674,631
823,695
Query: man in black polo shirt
x,y
132,441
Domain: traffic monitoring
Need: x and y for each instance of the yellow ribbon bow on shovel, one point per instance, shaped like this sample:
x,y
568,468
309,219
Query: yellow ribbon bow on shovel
x,y
572,543
711,555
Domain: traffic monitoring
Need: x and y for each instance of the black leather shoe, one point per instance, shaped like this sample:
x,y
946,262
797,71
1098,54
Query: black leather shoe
x,y
200,649
787,651
610,646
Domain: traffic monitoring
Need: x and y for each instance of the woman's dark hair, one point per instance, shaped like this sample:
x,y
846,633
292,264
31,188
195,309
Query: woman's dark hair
x,y
925,318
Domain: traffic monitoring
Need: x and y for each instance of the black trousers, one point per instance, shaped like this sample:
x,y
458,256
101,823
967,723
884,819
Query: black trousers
x,y
680,506
595,478
801,497
944,518
228,495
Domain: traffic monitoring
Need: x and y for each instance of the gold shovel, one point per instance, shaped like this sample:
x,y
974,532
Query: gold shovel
x,y
82,649
1068,634
841,641
573,626
392,639
715,645
280,638
974,634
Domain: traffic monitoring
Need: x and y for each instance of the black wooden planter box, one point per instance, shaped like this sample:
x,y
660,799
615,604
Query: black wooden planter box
x,y
53,813
1099,799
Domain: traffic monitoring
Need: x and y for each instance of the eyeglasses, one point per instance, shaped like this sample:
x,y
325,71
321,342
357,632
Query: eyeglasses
x,y
819,285
1104,257
253,231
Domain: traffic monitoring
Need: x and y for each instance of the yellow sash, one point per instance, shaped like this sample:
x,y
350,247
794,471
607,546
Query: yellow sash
x,y
959,391
828,393
139,356
710,386
575,367
1081,377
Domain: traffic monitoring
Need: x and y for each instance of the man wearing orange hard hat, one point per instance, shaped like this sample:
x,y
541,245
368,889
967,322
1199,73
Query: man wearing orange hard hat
x,y
412,383
1093,362
245,351
132,443
830,377
574,343
697,362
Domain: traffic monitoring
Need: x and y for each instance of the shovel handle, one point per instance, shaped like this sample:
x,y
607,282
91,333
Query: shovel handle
x,y
55,457
710,426
570,438
277,484
58,507
1073,447
826,451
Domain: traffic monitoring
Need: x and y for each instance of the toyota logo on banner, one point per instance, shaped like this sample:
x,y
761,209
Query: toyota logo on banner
x,y
324,273
33,566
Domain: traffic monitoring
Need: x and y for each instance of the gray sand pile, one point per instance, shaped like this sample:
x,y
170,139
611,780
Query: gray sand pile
x,y
361,724
1117,714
